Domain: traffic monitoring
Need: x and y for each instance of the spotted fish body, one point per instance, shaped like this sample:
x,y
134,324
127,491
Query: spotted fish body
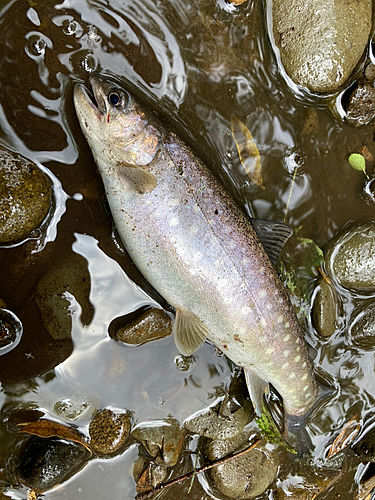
x,y
195,246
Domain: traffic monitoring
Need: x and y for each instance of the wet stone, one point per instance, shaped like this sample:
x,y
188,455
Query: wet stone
x,y
362,329
365,447
11,330
46,462
69,279
70,409
147,474
163,440
361,106
325,310
244,477
152,325
25,196
108,431
320,43
350,257
226,419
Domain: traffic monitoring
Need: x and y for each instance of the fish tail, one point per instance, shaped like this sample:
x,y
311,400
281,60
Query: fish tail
x,y
296,434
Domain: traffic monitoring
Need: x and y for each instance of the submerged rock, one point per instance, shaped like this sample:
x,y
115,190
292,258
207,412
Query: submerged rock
x,y
362,329
227,418
46,462
68,280
162,440
350,257
108,431
325,309
25,196
365,447
321,42
244,477
153,324
11,330
361,106
147,474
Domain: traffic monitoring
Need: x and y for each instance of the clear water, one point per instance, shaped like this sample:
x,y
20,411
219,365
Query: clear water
x,y
197,64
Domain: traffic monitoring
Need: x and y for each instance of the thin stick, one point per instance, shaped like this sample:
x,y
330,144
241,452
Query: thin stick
x,y
290,194
197,471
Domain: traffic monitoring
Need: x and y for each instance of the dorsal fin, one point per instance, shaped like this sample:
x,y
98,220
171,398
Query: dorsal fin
x,y
189,332
273,236
137,179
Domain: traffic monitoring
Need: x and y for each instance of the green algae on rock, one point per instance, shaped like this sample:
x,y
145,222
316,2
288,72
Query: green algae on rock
x,y
350,257
25,196
320,42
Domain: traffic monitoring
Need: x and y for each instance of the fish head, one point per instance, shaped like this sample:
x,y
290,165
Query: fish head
x,y
116,127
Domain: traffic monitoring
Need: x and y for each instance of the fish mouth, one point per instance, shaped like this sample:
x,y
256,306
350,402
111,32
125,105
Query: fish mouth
x,y
93,98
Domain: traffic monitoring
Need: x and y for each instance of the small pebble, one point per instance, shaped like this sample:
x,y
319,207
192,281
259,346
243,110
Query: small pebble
x,y
108,431
152,325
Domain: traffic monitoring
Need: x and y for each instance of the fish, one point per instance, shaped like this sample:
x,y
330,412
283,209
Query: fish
x,y
197,248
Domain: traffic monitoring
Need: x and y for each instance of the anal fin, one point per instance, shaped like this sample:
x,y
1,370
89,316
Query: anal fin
x,y
189,332
257,388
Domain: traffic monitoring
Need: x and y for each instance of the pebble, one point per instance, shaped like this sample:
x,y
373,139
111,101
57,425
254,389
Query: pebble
x,y
244,477
360,109
325,309
25,196
152,325
108,431
68,275
362,329
350,257
46,462
163,440
11,330
320,43
227,418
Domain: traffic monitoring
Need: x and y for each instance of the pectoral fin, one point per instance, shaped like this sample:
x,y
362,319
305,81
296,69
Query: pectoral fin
x,y
137,179
189,332
257,388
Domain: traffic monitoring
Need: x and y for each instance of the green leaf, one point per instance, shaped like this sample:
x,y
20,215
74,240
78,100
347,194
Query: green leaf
x,y
358,162
269,430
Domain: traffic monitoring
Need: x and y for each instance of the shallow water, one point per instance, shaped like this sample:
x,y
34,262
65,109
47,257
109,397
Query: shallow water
x,y
197,64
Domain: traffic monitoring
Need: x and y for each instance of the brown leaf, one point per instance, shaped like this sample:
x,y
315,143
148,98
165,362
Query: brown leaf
x,y
247,151
145,482
345,437
47,428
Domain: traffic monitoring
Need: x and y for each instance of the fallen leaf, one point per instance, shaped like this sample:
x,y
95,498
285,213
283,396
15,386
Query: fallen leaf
x,y
48,428
358,162
247,151
346,436
366,153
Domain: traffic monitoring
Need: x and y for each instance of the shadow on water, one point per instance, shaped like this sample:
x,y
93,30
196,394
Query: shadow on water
x,y
197,64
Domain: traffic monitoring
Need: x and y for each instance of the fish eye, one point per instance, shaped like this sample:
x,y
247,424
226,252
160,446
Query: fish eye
x,y
114,98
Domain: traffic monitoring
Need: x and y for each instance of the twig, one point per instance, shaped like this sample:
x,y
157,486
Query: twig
x,y
196,471
290,194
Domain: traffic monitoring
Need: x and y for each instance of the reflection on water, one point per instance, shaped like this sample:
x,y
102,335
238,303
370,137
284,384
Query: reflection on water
x,y
198,64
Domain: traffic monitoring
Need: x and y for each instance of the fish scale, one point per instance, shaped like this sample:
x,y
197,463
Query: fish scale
x,y
195,246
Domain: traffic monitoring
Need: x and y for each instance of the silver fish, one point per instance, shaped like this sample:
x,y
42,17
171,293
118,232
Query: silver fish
x,y
196,247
